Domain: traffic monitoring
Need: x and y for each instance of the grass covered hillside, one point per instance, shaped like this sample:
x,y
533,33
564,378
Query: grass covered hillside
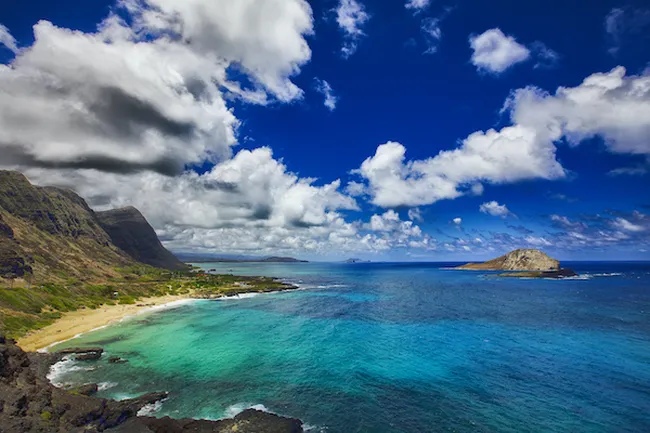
x,y
57,255
24,308
50,234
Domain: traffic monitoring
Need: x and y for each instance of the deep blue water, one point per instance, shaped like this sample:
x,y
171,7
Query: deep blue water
x,y
399,348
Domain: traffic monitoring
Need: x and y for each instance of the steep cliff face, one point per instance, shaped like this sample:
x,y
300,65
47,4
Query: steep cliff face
x,y
131,232
518,260
50,233
53,210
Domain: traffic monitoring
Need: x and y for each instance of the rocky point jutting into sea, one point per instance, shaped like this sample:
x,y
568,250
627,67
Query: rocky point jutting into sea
x,y
30,403
62,262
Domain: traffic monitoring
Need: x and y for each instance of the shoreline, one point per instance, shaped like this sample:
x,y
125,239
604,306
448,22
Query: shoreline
x,y
76,323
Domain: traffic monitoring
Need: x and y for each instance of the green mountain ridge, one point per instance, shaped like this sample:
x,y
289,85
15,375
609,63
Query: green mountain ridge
x,y
49,234
130,231
57,255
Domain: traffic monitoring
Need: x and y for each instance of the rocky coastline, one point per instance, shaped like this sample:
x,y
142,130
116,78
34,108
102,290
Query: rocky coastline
x,y
30,403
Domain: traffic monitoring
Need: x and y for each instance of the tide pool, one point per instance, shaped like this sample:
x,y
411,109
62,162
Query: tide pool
x,y
397,348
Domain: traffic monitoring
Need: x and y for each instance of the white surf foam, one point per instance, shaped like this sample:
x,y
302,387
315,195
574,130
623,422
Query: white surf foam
x,y
313,428
590,276
63,367
236,409
103,386
240,296
150,409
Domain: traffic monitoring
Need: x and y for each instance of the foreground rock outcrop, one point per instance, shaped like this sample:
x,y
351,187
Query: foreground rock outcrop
x,y
527,263
30,403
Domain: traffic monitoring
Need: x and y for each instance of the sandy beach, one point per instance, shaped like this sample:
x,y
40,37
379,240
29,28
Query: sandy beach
x,y
85,320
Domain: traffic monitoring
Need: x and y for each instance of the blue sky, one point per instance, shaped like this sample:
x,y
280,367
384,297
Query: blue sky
x,y
211,119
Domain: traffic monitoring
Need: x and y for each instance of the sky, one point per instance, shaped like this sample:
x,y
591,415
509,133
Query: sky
x,y
393,130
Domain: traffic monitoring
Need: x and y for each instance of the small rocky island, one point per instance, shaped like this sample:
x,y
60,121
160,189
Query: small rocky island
x,y
355,260
523,263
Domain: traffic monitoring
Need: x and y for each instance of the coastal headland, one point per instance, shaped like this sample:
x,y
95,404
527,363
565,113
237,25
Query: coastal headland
x,y
31,403
66,270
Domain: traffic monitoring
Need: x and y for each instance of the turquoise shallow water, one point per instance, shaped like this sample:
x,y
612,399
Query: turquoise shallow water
x,y
398,348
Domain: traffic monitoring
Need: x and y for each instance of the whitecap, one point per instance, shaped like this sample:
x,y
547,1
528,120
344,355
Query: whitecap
x,y
236,409
313,428
62,368
124,396
103,386
590,276
150,409
240,296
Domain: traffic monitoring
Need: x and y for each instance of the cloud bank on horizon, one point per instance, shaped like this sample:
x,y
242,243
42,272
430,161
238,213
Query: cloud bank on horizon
x,y
152,109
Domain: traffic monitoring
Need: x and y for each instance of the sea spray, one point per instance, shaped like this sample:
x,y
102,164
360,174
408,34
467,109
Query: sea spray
x,y
236,409
62,368
151,409
103,386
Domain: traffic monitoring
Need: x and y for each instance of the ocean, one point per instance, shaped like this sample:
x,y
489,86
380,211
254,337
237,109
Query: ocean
x,y
396,348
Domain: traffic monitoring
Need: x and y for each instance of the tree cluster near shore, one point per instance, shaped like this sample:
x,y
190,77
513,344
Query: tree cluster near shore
x,y
24,308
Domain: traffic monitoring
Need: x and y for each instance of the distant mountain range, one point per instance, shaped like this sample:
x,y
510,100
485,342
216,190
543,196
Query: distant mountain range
x,y
209,258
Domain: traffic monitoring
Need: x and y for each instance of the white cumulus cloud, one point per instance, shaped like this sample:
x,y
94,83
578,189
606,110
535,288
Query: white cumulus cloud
x,y
417,5
509,155
495,209
495,52
148,94
623,224
610,105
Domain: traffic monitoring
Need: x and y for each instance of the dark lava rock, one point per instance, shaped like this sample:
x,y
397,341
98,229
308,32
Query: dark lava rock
x,y
90,356
88,389
562,273
117,360
249,421
79,350
30,403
